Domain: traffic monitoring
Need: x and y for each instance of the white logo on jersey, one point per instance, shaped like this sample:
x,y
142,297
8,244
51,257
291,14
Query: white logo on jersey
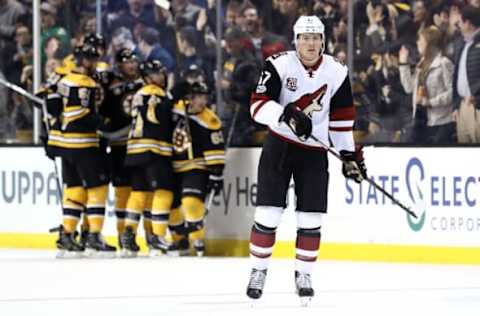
x,y
261,88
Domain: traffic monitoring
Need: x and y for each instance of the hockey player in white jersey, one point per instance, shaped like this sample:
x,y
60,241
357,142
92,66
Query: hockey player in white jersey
x,y
300,93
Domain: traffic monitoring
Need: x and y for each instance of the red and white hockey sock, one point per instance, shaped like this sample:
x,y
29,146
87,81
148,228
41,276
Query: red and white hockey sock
x,y
262,240
307,245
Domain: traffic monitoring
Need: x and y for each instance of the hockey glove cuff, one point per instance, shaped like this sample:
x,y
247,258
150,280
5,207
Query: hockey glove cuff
x,y
299,122
354,165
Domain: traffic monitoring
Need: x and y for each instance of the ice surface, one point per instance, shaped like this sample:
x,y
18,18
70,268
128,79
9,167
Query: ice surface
x,y
34,283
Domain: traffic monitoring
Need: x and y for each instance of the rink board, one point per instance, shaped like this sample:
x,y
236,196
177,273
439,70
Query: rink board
x,y
441,185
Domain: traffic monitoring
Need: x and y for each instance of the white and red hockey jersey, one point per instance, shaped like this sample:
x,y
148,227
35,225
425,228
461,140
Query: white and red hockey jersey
x,y
323,92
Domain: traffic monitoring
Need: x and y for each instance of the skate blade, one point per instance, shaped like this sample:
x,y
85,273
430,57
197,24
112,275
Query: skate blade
x,y
63,254
155,253
184,253
173,253
305,301
200,253
95,254
126,254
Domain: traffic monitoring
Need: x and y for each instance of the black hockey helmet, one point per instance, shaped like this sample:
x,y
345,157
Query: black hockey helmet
x,y
199,88
193,70
86,51
152,66
125,54
95,39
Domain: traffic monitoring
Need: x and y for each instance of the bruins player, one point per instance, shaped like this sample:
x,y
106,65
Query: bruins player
x,y
149,152
83,166
199,158
120,86
54,105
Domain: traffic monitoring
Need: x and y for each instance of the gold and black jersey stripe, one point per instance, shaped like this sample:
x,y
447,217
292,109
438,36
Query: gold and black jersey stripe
x,y
151,130
204,147
79,119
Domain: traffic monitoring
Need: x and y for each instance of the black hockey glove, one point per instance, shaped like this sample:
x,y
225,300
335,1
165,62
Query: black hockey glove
x,y
180,90
44,140
354,165
215,183
298,121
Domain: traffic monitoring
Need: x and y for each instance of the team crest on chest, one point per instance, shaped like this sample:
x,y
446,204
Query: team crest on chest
x,y
292,84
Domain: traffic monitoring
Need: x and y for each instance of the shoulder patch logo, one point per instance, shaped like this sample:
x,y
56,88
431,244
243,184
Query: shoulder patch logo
x,y
292,84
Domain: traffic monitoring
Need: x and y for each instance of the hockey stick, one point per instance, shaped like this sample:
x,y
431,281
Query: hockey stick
x,y
232,126
40,101
379,188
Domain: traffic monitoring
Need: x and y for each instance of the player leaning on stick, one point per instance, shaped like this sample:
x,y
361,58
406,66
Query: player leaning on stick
x,y
299,93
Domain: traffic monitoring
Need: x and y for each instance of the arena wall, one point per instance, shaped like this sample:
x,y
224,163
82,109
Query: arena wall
x,y
442,186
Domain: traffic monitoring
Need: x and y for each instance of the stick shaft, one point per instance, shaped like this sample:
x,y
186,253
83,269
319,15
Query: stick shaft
x,y
21,91
371,181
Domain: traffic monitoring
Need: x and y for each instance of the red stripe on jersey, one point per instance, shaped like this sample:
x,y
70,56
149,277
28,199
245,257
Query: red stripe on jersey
x,y
341,129
258,97
255,98
258,107
310,243
260,239
343,114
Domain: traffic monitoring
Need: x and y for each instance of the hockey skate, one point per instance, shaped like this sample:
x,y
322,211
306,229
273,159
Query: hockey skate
x,y
67,246
162,246
129,245
256,283
183,246
303,285
96,247
199,246
83,237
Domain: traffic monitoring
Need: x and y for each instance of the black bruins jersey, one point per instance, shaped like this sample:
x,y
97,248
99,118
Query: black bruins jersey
x,y
150,136
79,117
55,103
205,149
117,106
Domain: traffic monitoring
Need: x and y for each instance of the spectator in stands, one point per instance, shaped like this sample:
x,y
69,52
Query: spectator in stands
x,y
122,38
284,15
185,12
232,14
466,81
151,49
136,12
188,53
165,25
10,13
50,29
4,120
431,87
240,75
421,16
255,29
388,110
18,53
87,25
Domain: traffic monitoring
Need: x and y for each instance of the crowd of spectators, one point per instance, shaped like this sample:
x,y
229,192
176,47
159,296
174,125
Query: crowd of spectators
x,y
409,75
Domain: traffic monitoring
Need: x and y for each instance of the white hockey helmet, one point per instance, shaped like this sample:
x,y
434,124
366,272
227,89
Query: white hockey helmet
x,y
309,24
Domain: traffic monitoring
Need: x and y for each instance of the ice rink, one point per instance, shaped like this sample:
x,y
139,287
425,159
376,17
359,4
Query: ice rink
x,y
34,283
